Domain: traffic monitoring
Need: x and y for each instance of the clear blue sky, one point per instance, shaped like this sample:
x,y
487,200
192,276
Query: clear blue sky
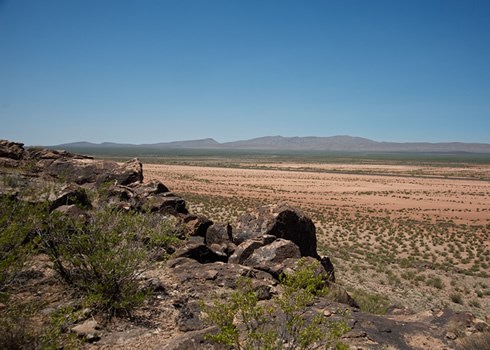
x,y
151,71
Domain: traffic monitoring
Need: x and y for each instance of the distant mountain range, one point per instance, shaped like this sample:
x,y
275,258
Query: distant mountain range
x,y
310,143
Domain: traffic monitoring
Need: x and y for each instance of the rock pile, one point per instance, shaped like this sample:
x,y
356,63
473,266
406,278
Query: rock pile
x,y
119,184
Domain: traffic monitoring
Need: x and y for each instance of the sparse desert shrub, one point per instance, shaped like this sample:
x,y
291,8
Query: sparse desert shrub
x,y
435,282
283,324
474,303
476,342
55,336
456,298
101,258
16,328
18,221
371,302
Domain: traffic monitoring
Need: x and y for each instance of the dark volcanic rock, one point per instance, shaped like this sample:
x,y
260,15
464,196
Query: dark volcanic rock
x,y
69,195
168,203
11,150
196,249
244,250
150,188
328,266
206,277
218,234
269,257
197,225
282,221
82,171
189,318
218,238
43,154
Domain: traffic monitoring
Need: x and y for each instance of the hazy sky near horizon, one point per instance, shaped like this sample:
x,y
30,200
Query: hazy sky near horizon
x,y
155,71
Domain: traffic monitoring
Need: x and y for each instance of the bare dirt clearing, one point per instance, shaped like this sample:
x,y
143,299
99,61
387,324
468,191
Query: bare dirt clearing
x,y
412,233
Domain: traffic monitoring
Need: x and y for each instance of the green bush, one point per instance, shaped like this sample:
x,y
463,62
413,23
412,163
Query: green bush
x,y
435,282
102,258
55,335
18,224
280,325
456,298
371,302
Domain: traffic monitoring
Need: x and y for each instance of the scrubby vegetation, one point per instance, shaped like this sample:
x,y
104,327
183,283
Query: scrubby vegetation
x,y
98,255
281,324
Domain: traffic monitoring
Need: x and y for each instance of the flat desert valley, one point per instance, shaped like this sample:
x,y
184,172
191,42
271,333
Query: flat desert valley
x,y
419,234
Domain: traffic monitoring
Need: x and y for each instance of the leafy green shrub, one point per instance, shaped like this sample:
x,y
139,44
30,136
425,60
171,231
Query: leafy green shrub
x,y
18,222
55,335
281,325
435,282
102,258
371,302
456,298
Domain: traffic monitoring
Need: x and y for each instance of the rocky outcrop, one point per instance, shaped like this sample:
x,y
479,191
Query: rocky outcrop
x,y
281,221
83,171
11,150
264,239
119,184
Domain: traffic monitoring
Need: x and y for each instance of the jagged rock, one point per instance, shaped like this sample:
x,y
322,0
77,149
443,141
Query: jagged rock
x,y
208,276
282,221
196,249
120,193
38,154
11,150
69,195
149,188
128,173
168,203
189,318
270,256
82,171
246,248
197,224
218,234
218,238
328,267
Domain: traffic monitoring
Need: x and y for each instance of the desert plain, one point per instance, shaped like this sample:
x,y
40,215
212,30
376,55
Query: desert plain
x,y
412,235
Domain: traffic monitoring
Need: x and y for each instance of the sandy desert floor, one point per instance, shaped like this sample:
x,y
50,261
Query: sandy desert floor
x,y
419,234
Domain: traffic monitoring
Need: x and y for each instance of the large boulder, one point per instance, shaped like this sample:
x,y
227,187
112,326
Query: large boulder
x,y
83,171
196,225
271,256
195,249
245,249
166,203
70,195
282,221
